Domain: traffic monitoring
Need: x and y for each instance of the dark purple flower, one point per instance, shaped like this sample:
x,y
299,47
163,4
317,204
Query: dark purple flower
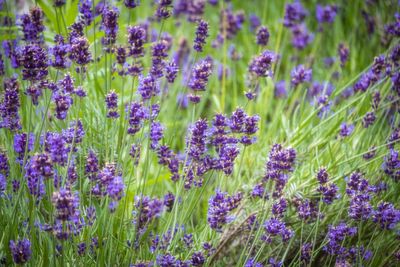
x,y
219,207
360,208
260,66
328,192
199,78
279,207
346,129
92,165
201,35
33,59
159,53
300,74
163,9
369,119
137,114
136,39
21,250
156,134
63,103
306,253
391,165
166,260
79,52
343,52
336,236
115,188
32,25
280,89
109,24
66,204
197,259
295,13
148,87
59,53
112,105
169,200
56,146
85,10
386,215
307,210
10,105
274,227
301,37
254,21
3,184
262,36
171,71
147,209
196,141
326,14
131,3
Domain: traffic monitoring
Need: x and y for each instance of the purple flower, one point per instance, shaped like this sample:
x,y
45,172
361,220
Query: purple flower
x,y
346,129
32,25
148,87
336,236
112,105
300,75
21,250
166,260
260,66
196,141
306,253
59,53
219,207
137,114
115,189
63,103
279,207
360,208
274,227
295,13
85,10
33,59
300,36
163,7
66,204
79,52
391,165
262,36
307,210
280,89
92,165
159,53
171,71
369,119
169,200
156,134
147,210
201,35
136,39
200,75
3,184
198,259
326,14
109,24
329,193
10,105
131,3
343,52
255,22
386,215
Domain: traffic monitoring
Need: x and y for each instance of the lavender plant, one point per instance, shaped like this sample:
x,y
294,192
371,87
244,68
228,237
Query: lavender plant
x,y
199,133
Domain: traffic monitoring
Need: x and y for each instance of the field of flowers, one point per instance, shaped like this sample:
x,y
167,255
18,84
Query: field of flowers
x,y
199,133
